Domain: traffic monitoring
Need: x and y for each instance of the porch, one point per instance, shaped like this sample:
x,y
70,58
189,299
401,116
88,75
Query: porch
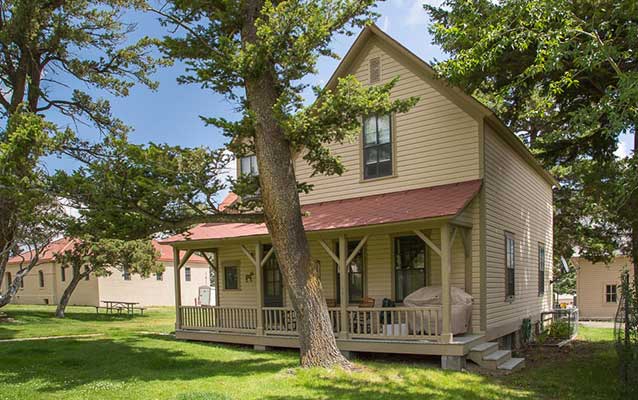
x,y
361,256
239,325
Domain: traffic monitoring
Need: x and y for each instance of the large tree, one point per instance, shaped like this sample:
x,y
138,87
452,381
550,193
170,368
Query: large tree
x,y
259,54
90,256
564,75
49,50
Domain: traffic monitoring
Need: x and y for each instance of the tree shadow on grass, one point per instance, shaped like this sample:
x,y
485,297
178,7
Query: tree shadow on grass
x,y
65,364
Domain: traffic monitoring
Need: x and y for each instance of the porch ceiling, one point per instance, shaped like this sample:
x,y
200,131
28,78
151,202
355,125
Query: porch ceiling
x,y
409,205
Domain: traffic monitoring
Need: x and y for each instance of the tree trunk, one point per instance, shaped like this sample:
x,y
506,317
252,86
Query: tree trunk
x,y
282,209
66,295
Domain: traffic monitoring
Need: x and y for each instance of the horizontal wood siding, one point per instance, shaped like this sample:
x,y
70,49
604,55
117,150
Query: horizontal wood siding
x,y
518,200
591,280
436,142
232,255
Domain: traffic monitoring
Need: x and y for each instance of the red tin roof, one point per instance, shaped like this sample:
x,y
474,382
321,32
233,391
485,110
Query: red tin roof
x,y
61,245
416,204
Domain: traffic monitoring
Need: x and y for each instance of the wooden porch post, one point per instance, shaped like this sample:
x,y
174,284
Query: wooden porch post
x,y
343,286
178,289
446,268
259,274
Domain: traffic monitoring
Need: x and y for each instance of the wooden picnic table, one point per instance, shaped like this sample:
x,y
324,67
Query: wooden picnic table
x,y
119,306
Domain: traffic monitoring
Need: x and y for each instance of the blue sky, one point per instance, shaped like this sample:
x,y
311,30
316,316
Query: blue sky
x,y
171,113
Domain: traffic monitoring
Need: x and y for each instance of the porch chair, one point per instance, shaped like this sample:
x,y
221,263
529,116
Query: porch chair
x,y
363,320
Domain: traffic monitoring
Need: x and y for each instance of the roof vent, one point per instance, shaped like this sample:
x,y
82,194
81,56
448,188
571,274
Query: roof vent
x,y
375,70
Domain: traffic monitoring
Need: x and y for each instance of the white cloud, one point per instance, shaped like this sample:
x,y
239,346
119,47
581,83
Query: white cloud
x,y
385,25
624,146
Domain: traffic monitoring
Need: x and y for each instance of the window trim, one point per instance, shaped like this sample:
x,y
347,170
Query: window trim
x,y
393,135
236,266
509,236
427,276
541,272
364,277
605,293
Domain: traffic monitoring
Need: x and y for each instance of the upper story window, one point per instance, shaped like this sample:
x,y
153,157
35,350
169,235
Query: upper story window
x,y
126,274
159,276
541,269
611,293
86,271
248,165
63,274
8,280
41,278
377,146
510,265
187,274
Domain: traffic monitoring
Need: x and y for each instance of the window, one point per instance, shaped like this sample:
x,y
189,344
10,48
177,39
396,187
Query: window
x,y
541,269
375,70
22,283
611,293
231,278
63,274
409,265
248,165
86,271
8,280
187,274
126,274
377,146
41,278
159,276
355,275
510,265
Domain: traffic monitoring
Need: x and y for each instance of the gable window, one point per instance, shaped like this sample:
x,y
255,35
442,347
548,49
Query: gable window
x,y
41,278
187,274
611,293
510,265
63,274
231,278
248,165
377,146
409,265
541,269
159,276
355,275
8,280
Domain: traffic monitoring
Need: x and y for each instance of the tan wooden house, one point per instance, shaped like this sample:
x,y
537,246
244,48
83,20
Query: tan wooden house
x,y
443,196
598,287
48,280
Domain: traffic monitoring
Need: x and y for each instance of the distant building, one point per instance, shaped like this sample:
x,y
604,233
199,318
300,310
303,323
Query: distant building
x,y
598,287
47,281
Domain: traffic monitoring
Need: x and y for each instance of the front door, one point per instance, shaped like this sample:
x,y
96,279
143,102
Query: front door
x,y
273,284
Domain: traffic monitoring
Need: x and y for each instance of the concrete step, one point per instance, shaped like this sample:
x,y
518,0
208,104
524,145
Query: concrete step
x,y
513,364
479,351
493,360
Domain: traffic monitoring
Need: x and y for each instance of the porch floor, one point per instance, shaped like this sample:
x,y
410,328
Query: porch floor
x,y
460,345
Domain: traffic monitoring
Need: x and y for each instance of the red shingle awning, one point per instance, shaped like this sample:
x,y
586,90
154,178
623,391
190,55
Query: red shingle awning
x,y
409,205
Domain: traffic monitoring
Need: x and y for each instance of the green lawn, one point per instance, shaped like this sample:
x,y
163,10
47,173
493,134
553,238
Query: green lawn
x,y
125,363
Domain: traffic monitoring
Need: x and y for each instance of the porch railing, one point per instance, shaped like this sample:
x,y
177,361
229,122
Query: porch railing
x,y
230,319
401,323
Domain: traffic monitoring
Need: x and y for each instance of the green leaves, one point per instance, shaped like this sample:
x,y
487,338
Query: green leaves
x,y
562,74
